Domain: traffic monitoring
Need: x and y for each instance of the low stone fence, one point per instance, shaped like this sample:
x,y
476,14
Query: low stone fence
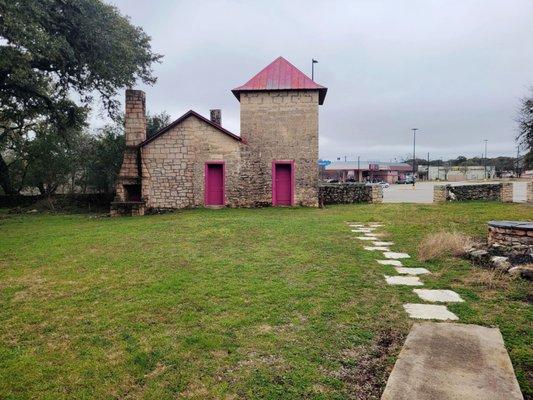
x,y
514,236
347,193
489,191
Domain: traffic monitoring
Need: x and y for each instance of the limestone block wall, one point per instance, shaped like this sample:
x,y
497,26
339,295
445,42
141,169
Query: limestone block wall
x,y
279,125
173,165
344,193
511,235
491,191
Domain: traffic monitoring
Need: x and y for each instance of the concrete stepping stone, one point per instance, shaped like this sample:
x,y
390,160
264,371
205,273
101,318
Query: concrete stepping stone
x,y
439,296
375,225
361,230
452,361
379,243
404,280
356,225
429,311
364,238
394,263
411,271
374,248
395,256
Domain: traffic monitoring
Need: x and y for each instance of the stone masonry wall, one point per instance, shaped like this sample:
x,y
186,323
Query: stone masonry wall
x,y
511,235
174,165
491,191
279,125
341,193
135,132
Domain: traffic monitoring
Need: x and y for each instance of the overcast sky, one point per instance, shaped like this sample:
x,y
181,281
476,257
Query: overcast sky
x,y
455,69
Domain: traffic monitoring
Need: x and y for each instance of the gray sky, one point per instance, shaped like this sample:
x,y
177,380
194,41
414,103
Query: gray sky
x,y
455,69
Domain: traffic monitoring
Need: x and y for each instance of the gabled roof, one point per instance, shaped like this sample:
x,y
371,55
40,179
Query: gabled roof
x,y
281,75
184,117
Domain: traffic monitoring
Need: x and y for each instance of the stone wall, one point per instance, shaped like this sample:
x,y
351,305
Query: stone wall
x,y
514,236
173,165
279,125
490,191
345,193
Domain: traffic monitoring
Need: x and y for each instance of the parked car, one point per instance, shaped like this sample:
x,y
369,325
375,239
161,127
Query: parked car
x,y
408,180
382,184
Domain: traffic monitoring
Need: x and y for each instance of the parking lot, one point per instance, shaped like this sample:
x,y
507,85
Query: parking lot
x,y
423,192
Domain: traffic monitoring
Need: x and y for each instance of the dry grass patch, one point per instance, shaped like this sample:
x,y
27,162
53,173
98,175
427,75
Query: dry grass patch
x,y
489,279
439,244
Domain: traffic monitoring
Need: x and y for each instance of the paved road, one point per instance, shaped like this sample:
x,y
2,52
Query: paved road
x,y
423,192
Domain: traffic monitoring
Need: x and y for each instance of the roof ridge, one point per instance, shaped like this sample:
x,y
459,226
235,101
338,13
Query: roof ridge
x,y
182,118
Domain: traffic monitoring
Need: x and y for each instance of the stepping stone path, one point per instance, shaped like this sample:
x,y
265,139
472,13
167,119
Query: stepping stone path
x,y
441,296
383,243
429,311
404,280
394,263
411,271
374,248
395,256
408,277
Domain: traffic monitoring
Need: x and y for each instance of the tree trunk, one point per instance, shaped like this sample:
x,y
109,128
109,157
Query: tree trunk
x,y
5,180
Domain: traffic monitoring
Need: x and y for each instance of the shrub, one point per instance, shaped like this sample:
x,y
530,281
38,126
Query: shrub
x,y
440,244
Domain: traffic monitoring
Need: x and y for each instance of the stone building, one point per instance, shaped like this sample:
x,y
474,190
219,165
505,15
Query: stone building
x,y
195,162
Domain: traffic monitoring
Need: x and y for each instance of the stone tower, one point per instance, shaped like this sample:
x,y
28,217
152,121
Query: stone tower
x,y
279,128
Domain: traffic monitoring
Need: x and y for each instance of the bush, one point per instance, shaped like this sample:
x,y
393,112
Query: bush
x,y
440,244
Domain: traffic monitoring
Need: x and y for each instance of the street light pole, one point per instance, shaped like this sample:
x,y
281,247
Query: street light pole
x,y
414,154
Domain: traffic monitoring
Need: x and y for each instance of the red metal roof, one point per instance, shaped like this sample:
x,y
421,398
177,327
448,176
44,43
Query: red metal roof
x,y
281,75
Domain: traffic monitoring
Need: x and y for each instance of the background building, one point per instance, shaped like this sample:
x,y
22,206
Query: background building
x,y
367,171
455,173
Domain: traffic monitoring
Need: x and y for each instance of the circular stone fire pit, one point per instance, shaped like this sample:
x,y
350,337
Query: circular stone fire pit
x,y
513,236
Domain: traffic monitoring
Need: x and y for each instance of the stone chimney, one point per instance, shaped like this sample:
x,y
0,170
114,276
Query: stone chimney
x,y
216,116
129,189
135,117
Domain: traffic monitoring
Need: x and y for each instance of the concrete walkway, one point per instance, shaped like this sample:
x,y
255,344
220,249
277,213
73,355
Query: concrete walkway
x,y
449,361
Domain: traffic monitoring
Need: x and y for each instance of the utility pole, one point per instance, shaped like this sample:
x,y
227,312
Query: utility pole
x,y
414,154
517,161
313,62
485,164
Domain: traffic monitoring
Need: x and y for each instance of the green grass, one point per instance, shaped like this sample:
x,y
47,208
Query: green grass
x,y
246,303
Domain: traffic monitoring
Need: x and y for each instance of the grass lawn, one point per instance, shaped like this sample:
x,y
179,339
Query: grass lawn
x,y
230,304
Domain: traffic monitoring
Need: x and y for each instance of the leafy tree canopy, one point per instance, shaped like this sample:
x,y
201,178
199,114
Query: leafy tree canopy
x,y
51,49
155,122
525,129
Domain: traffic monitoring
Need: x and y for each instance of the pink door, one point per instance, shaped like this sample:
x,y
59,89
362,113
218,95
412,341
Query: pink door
x,y
282,195
214,185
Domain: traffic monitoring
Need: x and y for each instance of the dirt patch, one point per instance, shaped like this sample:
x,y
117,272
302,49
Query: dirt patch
x,y
365,369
